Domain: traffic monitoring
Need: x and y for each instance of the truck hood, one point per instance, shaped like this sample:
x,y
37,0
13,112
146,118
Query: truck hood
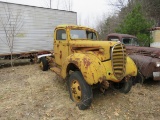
x,y
100,48
146,51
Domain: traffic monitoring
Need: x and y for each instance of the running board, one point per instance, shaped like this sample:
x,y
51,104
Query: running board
x,y
56,70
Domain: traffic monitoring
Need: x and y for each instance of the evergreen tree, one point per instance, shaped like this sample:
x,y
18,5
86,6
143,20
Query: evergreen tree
x,y
136,24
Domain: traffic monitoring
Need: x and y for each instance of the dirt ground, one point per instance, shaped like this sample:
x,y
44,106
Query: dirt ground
x,y
27,93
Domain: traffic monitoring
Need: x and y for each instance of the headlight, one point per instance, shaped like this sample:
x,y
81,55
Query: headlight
x,y
157,64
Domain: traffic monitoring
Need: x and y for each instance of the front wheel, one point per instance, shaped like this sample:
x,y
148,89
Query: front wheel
x,y
80,91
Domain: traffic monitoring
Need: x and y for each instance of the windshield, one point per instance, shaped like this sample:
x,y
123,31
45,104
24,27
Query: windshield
x,y
130,41
82,34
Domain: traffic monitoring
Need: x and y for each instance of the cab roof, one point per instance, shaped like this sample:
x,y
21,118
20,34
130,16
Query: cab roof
x,y
121,35
74,26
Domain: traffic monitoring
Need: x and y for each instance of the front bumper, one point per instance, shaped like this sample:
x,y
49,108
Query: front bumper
x,y
156,75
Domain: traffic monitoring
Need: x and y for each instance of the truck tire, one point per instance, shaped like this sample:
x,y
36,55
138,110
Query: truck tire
x,y
80,91
124,86
139,78
44,64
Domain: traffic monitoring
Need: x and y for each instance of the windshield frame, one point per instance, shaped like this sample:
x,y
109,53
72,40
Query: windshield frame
x,y
94,33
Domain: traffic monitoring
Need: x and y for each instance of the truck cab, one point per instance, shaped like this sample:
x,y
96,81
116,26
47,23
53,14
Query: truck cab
x,y
128,40
84,62
65,38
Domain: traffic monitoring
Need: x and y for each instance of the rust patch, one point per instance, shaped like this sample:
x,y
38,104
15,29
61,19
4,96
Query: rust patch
x,y
157,78
77,59
145,64
105,84
146,51
85,76
103,78
60,54
70,60
93,76
86,62
71,49
85,48
145,59
74,61
119,36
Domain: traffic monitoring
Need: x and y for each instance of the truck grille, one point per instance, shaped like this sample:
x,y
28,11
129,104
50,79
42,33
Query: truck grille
x,y
119,60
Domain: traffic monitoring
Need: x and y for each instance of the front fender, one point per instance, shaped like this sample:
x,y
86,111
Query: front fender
x,y
131,68
90,66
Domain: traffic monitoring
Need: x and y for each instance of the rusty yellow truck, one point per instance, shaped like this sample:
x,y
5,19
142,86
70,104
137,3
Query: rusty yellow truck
x,y
83,61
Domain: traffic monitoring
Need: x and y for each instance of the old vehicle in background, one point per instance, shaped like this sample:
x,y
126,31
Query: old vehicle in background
x,y
147,59
85,62
123,38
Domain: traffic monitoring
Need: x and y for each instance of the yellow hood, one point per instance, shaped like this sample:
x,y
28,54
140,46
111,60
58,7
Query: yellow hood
x,y
100,48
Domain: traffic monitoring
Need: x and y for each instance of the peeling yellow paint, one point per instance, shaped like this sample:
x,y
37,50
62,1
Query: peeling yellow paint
x,y
93,58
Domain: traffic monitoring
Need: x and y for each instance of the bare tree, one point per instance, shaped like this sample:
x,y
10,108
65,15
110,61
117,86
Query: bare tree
x,y
79,20
52,3
59,4
11,24
47,3
68,4
119,4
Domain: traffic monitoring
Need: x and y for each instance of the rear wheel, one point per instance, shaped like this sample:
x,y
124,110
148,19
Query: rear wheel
x,y
43,64
80,91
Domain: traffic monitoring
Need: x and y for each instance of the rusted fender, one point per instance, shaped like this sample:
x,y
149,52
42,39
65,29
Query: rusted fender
x,y
91,67
145,51
146,64
131,68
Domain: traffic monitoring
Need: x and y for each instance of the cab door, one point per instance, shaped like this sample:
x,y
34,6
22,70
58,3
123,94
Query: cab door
x,y
60,45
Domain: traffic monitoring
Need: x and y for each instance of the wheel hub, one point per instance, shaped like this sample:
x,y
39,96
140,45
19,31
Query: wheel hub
x,y
76,91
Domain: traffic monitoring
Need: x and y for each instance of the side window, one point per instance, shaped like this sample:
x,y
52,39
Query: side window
x,y
61,34
92,36
127,40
